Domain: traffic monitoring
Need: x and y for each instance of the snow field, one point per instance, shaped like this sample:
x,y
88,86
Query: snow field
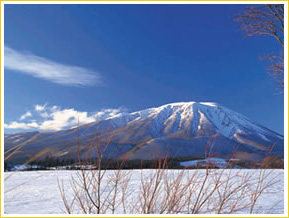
x,y
37,192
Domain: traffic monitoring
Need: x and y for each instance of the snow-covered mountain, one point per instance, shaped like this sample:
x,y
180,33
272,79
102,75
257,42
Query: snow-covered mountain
x,y
177,129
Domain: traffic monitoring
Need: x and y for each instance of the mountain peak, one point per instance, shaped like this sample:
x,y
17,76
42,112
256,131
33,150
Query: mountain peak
x,y
182,128
190,103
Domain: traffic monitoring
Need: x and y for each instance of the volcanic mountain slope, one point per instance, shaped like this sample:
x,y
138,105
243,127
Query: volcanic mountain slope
x,y
177,130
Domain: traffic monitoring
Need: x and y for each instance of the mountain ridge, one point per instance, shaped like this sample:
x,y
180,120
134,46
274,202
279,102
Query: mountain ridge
x,y
177,129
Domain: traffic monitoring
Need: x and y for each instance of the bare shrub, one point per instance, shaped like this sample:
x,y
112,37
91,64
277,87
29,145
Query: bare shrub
x,y
164,191
95,189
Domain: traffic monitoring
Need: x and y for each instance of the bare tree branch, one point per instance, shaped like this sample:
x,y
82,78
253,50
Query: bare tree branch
x,y
263,20
266,20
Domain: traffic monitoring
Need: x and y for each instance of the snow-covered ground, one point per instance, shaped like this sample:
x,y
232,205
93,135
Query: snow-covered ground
x,y
220,162
37,192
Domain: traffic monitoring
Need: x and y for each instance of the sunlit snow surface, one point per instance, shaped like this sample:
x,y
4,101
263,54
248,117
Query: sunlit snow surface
x,y
37,192
217,161
225,121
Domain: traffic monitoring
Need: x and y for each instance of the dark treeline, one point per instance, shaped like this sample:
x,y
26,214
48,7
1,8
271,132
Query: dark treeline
x,y
45,164
49,163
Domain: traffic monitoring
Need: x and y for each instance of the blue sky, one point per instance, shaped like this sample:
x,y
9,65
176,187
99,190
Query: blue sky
x,y
131,57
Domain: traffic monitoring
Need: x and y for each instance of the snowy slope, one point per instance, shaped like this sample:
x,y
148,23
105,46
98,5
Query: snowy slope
x,y
182,129
175,116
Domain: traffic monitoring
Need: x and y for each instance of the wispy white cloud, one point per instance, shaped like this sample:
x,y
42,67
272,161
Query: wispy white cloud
x,y
61,119
38,107
107,113
20,125
43,68
24,116
41,110
53,118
